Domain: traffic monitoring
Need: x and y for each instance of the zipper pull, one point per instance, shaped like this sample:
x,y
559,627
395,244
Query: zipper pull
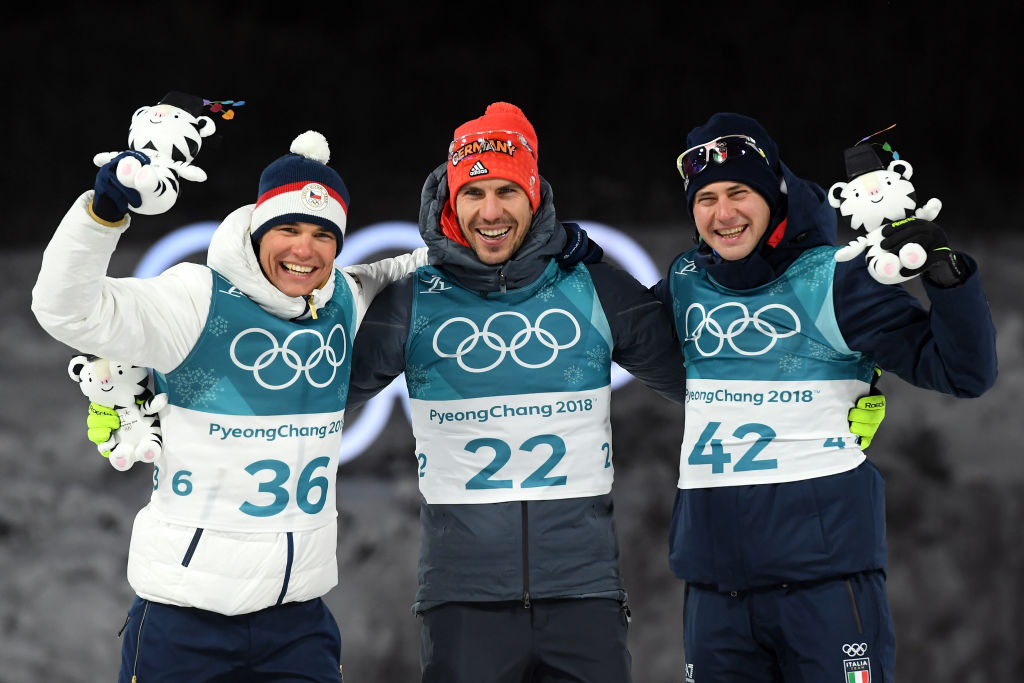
x,y
312,308
501,281
526,600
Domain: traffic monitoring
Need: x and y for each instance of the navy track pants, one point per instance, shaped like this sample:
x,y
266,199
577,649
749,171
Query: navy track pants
x,y
835,630
296,641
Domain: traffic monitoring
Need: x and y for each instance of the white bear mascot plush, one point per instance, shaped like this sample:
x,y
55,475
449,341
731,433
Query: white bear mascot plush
x,y
123,388
874,197
170,134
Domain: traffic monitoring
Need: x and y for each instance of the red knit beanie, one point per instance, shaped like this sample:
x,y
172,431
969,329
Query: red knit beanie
x,y
499,144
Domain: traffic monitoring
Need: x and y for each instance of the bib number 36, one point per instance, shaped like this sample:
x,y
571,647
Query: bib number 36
x,y
709,450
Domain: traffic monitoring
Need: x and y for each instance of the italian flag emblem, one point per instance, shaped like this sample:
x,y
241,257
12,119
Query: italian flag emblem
x,y
857,670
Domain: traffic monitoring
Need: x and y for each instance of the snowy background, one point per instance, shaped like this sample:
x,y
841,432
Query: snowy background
x,y
955,498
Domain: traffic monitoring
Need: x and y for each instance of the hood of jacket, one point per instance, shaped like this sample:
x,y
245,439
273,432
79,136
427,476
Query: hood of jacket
x,y
809,222
231,254
543,242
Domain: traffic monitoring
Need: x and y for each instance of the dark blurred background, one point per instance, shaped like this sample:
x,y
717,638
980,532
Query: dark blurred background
x,y
612,90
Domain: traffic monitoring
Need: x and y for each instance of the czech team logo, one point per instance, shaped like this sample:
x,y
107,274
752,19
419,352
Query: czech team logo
x,y
314,196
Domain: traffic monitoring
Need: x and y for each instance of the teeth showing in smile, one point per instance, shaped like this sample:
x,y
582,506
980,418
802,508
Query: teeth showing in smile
x,y
731,233
298,269
494,232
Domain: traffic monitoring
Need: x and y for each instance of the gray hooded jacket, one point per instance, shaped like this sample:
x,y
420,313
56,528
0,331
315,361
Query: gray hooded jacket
x,y
518,550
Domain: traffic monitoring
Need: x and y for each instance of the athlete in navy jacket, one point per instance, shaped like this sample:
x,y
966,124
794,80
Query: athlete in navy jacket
x,y
779,522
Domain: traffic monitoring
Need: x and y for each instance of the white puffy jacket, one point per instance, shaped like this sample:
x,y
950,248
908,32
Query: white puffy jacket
x,y
154,323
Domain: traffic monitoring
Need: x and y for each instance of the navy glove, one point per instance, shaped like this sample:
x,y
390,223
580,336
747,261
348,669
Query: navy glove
x,y
579,248
112,198
941,268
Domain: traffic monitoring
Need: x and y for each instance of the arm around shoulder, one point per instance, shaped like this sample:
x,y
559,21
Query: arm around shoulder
x,y
378,355
371,278
642,331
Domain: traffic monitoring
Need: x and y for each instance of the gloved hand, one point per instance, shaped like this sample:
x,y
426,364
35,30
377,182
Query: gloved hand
x,y
112,198
941,267
102,421
866,416
579,248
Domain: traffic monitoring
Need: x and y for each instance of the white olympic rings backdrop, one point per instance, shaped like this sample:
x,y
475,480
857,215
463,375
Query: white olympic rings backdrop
x,y
361,246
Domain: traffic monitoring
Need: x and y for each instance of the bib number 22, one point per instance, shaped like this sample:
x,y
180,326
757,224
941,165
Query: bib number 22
x,y
484,479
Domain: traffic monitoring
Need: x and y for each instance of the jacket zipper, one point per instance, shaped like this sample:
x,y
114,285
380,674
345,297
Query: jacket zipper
x,y
501,280
312,308
526,556
287,568
138,643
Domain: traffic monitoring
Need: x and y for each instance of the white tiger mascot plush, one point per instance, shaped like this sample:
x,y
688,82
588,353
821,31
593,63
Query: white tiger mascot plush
x,y
874,197
170,134
124,388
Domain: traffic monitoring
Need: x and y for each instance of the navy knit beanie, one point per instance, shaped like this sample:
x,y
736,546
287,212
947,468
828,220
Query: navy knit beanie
x,y
751,170
301,188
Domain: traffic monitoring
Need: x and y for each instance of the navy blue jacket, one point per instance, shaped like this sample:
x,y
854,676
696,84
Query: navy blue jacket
x,y
744,537
529,549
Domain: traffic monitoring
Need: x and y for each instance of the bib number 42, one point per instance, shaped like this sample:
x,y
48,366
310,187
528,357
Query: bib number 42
x,y
709,450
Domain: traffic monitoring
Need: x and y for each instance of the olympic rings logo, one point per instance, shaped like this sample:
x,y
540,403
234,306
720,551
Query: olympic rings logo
x,y
360,247
855,649
495,342
325,352
709,326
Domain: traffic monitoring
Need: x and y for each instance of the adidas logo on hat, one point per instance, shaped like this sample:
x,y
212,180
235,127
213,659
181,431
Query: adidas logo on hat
x,y
478,169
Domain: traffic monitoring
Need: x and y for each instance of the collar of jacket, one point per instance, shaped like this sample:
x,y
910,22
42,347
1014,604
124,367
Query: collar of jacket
x,y
543,242
231,254
810,222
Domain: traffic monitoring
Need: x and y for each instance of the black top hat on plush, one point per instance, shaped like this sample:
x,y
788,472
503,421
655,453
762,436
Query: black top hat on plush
x,y
861,159
190,103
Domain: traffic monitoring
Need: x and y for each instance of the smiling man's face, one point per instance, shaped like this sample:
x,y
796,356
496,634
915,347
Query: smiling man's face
x,y
297,257
731,217
494,215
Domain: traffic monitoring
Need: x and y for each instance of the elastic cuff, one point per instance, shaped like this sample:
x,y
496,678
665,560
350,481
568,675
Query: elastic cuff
x,y
947,273
103,221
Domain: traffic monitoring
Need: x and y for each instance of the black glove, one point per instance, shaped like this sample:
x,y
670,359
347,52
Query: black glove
x,y
112,198
941,268
579,248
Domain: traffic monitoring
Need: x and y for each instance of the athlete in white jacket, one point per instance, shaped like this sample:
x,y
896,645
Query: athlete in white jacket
x,y
253,350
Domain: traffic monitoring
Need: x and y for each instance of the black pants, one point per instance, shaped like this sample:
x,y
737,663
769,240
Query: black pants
x,y
553,641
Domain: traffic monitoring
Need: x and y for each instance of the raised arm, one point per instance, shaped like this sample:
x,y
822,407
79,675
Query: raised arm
x,y
151,322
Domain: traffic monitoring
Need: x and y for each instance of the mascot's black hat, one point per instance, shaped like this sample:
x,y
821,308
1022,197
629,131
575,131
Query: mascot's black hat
x,y
190,103
861,159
